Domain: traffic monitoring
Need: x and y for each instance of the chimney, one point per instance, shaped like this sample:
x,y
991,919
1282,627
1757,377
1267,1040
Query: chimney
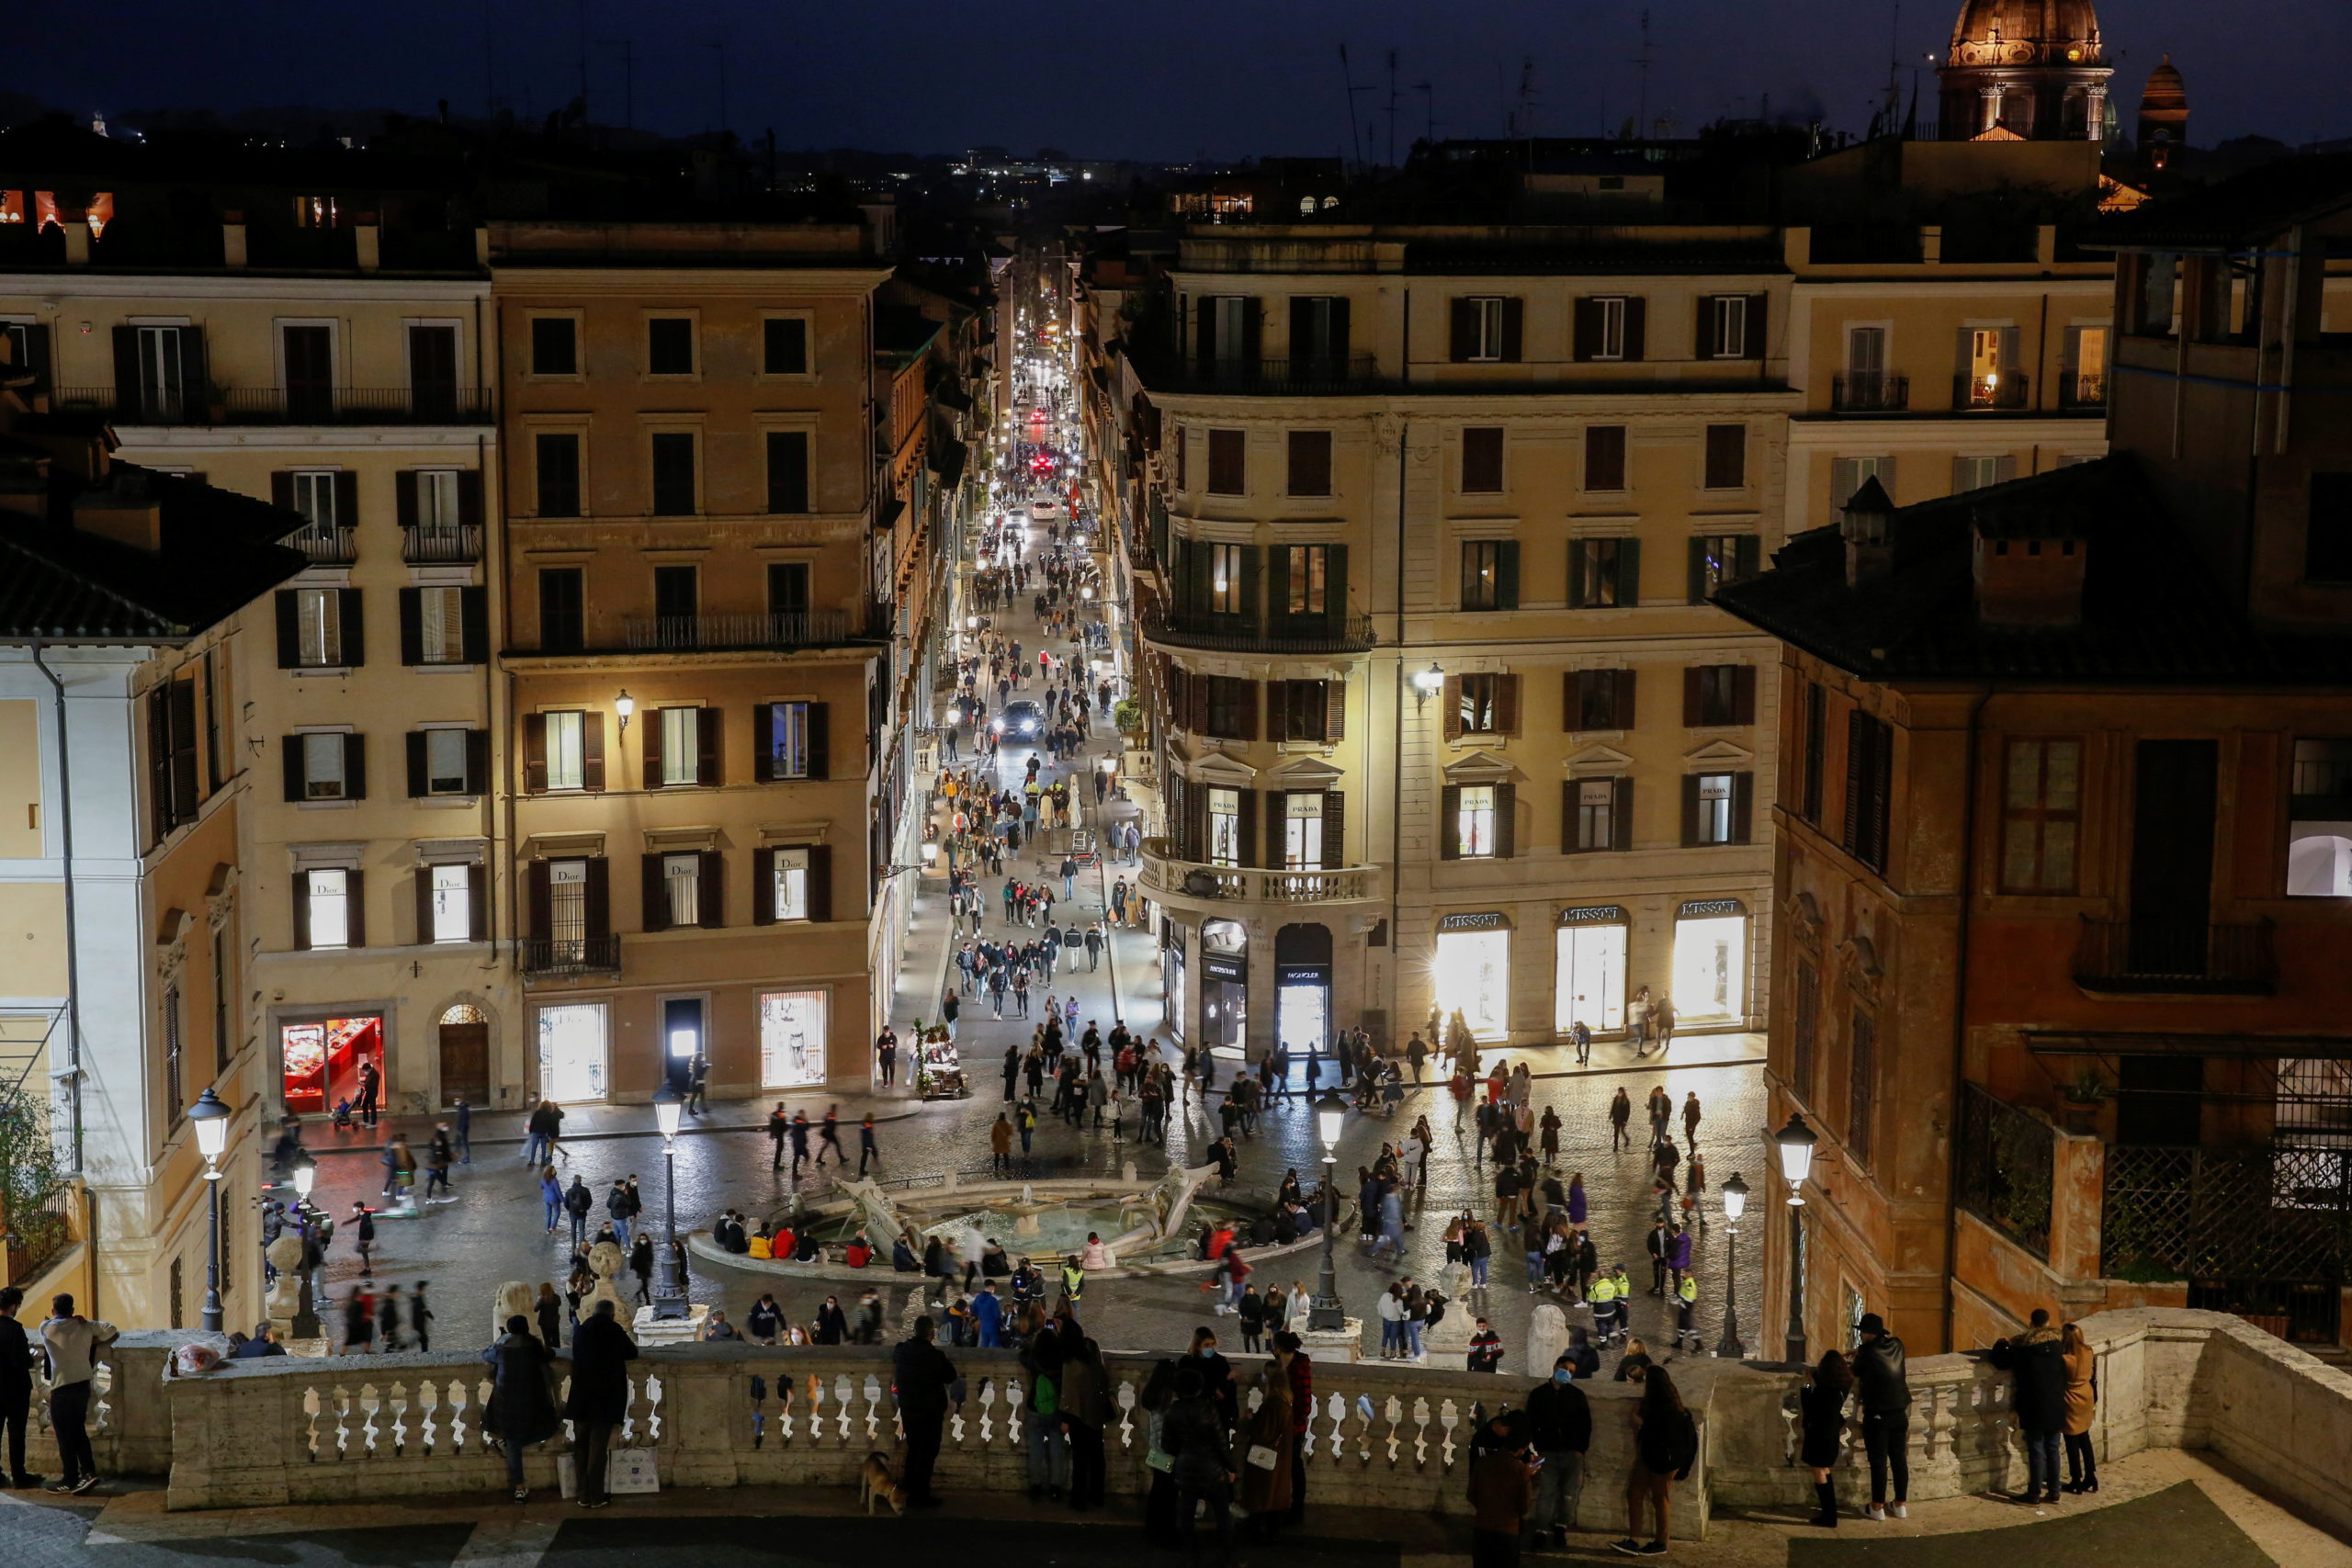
x,y
123,510
1867,527
232,239
2028,569
367,242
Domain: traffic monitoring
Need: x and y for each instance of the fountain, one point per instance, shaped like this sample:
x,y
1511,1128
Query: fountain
x,y
1026,1213
880,1218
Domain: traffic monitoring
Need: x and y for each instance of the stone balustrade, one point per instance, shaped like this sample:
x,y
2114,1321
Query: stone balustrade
x,y
1170,878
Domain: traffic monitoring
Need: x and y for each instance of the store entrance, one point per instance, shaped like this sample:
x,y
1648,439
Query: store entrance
x,y
322,1060
1224,987
681,1039
1303,988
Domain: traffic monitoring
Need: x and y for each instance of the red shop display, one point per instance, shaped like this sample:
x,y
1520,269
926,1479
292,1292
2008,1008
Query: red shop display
x,y
323,1060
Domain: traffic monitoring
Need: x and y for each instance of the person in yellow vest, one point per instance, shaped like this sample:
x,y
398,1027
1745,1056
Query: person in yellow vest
x,y
1073,1280
1686,1314
1604,1306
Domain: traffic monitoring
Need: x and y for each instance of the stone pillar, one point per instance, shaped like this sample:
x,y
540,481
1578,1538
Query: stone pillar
x,y
2077,1204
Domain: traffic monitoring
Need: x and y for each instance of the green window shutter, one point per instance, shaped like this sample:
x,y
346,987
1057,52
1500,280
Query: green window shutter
x,y
1629,572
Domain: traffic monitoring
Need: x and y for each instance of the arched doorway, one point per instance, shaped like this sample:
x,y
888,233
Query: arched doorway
x,y
1303,988
465,1054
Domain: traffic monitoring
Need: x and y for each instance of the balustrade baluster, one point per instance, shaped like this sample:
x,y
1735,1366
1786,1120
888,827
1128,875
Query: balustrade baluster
x,y
1394,1410
459,1406
1421,1434
311,1421
842,1396
428,1426
1124,1403
370,1404
396,1424
341,1422
872,1409
1448,1416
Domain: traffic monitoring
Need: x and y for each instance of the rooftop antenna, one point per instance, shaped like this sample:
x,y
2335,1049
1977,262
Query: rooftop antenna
x,y
1895,62
1642,63
1392,108
1429,110
1527,102
719,46
628,77
1347,77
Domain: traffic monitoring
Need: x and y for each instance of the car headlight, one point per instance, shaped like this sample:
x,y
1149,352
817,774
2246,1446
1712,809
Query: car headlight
x,y
997,726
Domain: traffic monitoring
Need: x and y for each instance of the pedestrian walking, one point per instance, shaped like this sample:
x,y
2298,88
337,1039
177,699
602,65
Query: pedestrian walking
x,y
551,1195
779,1127
1620,1116
1690,1116
866,1148
363,1236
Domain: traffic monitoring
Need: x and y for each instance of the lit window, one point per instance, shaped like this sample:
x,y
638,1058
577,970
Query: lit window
x,y
452,903
1225,579
1476,823
2041,812
318,622
441,626
1225,826
567,755
792,884
684,876
328,895
2319,835
681,747
786,741
1303,831
1715,808
1596,814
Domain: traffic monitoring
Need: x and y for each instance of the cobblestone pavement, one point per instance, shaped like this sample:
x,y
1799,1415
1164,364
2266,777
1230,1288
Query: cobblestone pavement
x,y
492,1231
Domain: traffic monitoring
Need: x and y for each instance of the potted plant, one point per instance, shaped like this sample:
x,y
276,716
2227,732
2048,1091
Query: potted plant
x,y
1126,714
2084,1097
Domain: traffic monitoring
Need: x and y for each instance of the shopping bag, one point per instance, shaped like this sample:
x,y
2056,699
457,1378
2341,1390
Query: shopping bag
x,y
626,1470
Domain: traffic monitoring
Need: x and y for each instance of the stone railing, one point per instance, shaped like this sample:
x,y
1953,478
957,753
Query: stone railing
x,y
292,1430
1166,877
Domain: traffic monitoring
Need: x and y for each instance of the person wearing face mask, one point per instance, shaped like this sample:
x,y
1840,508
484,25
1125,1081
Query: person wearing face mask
x,y
1217,1373
833,1324
1563,1431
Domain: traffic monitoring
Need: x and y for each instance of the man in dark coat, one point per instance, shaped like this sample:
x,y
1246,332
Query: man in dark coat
x,y
2037,1366
522,1406
16,1386
1561,1428
601,1351
921,1372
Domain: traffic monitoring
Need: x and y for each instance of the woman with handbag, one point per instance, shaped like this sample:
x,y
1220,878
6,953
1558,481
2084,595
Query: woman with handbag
x,y
1266,1454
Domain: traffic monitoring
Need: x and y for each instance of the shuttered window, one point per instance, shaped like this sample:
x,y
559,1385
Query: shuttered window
x,y
2041,815
1869,765
1482,459
1228,475
1310,463
1604,457
555,461
1727,466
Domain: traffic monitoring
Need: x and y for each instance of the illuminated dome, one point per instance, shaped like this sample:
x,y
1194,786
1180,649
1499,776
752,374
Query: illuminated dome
x,y
2025,69
2026,33
2165,89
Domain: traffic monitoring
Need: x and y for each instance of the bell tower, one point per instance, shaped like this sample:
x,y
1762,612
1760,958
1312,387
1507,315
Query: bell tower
x,y
2164,116
2027,69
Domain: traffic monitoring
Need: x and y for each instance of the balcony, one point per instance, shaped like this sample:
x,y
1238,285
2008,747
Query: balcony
x,y
725,634
1193,884
2082,389
2005,391
1869,391
1323,375
2179,958
282,405
441,544
1231,634
563,955
326,544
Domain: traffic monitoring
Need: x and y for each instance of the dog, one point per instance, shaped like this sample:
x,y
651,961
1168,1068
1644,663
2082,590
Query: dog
x,y
874,1482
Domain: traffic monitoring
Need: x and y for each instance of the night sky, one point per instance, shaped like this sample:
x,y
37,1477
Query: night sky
x,y
1113,78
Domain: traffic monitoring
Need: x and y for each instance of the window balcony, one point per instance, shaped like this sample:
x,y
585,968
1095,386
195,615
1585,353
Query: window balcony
x,y
1869,391
1196,885
2005,391
326,544
2175,956
1320,375
2083,390
559,956
453,544
282,405
722,634
1289,634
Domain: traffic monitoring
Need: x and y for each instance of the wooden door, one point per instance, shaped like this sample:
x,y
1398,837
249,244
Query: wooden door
x,y
465,1064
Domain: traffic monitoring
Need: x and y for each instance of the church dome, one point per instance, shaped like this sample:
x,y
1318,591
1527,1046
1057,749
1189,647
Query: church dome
x,y
2026,33
2165,89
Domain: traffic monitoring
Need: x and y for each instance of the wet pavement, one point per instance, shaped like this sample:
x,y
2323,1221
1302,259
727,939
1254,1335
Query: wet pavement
x,y
491,1231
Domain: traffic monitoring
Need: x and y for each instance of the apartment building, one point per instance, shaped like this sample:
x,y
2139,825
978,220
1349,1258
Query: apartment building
x,y
2066,834
1431,517
697,661
133,612
310,328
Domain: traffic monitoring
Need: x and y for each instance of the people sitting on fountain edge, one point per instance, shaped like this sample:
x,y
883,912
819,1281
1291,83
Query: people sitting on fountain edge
x,y
763,1242
902,1255
728,1232
859,1252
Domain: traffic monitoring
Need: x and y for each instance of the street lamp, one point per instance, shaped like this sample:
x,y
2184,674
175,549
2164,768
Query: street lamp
x,y
1735,1193
1428,683
211,1121
1330,1116
624,706
669,1301
1795,1141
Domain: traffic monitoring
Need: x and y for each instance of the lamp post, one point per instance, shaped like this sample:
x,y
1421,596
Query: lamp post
x,y
669,1301
1795,1141
1735,1193
1428,683
624,706
1326,1313
306,1312
212,1122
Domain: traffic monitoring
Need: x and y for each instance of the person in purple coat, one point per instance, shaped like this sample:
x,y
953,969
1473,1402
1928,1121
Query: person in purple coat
x,y
1578,1205
1677,1256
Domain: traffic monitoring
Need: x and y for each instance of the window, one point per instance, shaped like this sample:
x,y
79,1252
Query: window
x,y
1817,750
1717,560
2327,539
1484,329
2040,814
1599,700
556,462
788,471
323,775
1305,709
675,601
1225,826
682,881
1718,695
319,627
1600,329
1226,596
1870,768
1599,806
1478,704
1847,475
669,345
1306,571
555,345
1490,574
1482,459
1989,377
784,345
432,371
1303,831
1233,707
1318,332
1230,326
1805,1029
2319,835
171,754
1861,1078
445,761
315,497
2085,352
1225,456
224,1045
791,885
1310,463
1727,456
790,741
434,499
1975,473
1474,822
1866,351
175,1090
788,588
440,625
1604,456
214,769
1722,326
1712,796
451,903
567,750
681,745
1604,573
674,473
326,905
567,929
562,613
154,368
